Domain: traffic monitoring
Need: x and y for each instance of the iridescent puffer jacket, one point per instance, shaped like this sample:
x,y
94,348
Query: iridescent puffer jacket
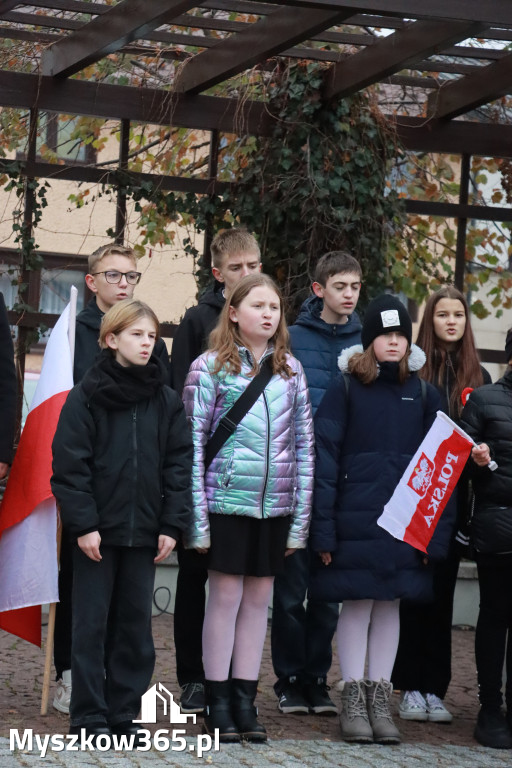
x,y
266,468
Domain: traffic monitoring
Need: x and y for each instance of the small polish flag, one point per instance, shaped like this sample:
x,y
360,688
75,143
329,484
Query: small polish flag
x,y
28,513
416,505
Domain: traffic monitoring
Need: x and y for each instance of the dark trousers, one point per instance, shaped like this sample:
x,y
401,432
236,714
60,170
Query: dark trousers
x,y
493,631
64,609
301,637
113,655
189,617
424,658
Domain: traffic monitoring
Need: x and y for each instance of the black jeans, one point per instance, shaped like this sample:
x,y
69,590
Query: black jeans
x,y
423,660
113,655
64,609
301,637
493,626
189,616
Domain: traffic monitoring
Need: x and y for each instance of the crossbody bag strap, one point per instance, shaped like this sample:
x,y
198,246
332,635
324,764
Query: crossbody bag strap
x,y
229,422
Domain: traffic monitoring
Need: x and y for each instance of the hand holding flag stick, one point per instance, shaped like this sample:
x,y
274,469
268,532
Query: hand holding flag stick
x,y
481,455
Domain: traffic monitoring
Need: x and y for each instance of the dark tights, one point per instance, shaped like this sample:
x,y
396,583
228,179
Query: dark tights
x,y
493,638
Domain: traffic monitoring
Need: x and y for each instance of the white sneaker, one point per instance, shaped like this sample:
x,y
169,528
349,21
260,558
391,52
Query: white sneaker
x,y
436,710
63,693
412,706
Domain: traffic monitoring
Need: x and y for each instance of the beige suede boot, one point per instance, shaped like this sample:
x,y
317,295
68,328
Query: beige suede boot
x,y
378,698
354,722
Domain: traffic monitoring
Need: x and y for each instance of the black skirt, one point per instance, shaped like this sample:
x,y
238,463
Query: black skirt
x,y
247,546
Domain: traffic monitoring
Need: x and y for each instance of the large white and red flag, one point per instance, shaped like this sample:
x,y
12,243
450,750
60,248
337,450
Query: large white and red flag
x,y
416,505
28,513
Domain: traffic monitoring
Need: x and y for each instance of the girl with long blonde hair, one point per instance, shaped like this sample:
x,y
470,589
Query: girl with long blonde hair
x,y
252,503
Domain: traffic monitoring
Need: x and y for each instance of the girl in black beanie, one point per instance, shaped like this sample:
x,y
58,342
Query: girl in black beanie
x,y
367,428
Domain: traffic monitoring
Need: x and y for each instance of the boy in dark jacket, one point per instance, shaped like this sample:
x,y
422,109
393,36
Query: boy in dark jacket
x,y
122,460
302,637
112,278
235,254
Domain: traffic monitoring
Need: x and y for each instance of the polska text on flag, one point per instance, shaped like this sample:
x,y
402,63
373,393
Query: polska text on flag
x,y
28,514
416,505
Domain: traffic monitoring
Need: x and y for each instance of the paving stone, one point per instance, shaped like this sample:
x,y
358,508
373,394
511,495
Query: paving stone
x,y
294,741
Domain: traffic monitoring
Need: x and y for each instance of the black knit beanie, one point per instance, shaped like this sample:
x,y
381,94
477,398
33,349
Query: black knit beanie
x,y
508,346
384,314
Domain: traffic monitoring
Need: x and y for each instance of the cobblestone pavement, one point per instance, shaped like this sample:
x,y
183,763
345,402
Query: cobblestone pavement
x,y
294,740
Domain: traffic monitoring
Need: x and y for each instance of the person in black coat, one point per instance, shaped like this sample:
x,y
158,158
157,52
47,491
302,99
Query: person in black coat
x,y
367,428
235,254
112,278
122,460
422,668
7,391
487,418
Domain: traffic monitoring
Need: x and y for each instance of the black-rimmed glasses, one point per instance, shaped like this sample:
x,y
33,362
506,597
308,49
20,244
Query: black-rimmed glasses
x,y
113,276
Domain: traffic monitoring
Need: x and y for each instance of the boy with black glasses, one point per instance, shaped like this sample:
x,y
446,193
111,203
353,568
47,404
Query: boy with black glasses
x,y
112,277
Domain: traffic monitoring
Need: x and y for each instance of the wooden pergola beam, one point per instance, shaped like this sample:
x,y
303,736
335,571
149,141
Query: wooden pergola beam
x,y
485,85
496,12
261,40
91,175
142,105
453,137
147,105
8,5
393,53
123,23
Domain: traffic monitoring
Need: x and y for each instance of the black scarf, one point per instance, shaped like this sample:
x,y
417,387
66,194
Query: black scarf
x,y
116,387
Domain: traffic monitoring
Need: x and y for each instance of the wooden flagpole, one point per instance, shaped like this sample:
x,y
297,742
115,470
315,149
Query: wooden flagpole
x,y
49,638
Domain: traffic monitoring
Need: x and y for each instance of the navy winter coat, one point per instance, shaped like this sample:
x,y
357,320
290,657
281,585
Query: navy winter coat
x,y
363,447
317,345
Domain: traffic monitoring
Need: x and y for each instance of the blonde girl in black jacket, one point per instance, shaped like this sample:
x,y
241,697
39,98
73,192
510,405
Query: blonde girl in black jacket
x,y
122,459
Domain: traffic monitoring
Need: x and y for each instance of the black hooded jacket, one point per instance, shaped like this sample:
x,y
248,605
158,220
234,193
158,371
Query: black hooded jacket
x,y
122,456
191,338
87,332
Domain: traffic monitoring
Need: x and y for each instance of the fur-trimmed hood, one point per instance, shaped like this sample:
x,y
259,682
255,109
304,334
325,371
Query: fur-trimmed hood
x,y
416,361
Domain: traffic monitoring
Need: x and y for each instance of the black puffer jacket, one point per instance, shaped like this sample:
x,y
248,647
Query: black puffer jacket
x,y
487,418
122,456
191,338
87,332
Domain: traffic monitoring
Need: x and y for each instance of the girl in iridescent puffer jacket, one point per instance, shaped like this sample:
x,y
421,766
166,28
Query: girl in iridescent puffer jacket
x,y
252,506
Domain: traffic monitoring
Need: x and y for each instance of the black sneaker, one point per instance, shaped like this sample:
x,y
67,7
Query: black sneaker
x,y
316,694
291,698
192,699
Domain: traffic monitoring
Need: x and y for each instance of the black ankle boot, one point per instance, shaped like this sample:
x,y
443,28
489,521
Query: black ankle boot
x,y
492,729
217,713
245,714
